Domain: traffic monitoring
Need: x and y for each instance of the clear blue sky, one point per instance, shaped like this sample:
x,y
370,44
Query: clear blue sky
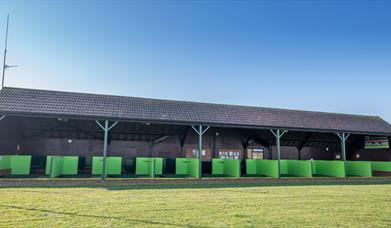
x,y
324,56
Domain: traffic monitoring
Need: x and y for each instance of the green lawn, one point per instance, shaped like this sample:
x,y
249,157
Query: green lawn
x,y
271,206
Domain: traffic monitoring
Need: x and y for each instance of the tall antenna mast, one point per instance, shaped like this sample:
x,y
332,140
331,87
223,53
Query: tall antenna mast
x,y
5,66
5,51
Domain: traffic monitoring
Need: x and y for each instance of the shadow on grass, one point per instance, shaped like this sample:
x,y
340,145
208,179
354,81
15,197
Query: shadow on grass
x,y
89,216
192,184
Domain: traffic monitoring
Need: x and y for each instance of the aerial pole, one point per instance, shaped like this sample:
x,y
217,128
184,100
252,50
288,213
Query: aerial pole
x,y
5,52
5,66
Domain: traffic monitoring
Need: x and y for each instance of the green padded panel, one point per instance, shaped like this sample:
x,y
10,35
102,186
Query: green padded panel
x,y
359,168
20,164
268,168
70,165
61,165
187,167
144,166
54,166
226,167
328,168
113,165
381,166
283,167
5,162
298,168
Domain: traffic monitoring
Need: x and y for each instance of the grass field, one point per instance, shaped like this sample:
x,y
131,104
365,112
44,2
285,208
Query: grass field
x,y
208,206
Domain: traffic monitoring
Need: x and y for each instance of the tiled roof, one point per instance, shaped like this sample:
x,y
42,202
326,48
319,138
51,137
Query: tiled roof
x,y
18,101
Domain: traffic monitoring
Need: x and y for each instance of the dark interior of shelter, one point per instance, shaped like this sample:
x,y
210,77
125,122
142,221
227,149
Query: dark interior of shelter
x,y
41,137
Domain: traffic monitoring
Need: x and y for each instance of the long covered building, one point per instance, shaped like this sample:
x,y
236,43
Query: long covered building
x,y
41,123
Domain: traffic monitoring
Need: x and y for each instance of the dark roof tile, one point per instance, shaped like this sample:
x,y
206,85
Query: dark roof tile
x,y
67,104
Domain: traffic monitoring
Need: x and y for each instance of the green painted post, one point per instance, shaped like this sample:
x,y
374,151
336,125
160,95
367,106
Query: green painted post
x,y
343,136
200,131
278,152
104,174
278,136
153,168
343,148
51,167
106,130
200,150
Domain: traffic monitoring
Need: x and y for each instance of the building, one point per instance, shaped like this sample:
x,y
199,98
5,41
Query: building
x,y
40,123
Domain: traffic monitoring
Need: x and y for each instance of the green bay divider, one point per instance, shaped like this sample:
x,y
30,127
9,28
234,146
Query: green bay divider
x,y
53,166
268,168
61,165
381,166
328,168
298,168
19,164
5,162
359,168
113,165
149,166
226,167
284,167
187,167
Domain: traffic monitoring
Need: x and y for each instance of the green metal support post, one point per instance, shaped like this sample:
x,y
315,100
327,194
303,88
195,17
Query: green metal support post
x,y
51,167
200,150
153,167
200,131
343,136
104,166
278,136
106,130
